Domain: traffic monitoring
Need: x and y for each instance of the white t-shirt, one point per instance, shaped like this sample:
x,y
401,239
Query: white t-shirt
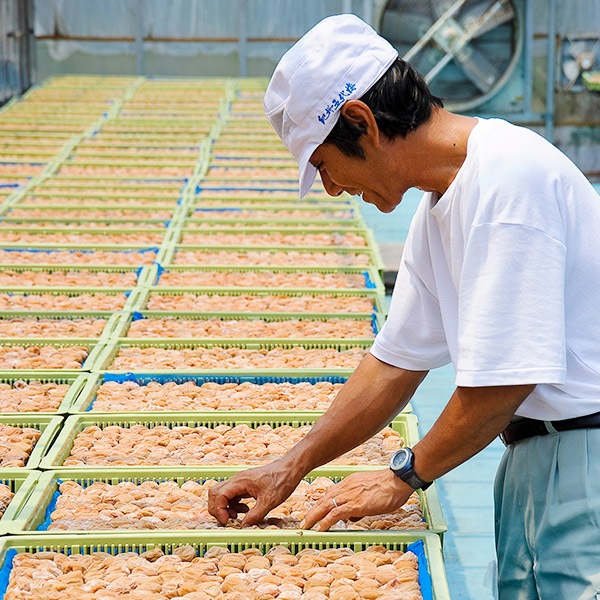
x,y
501,276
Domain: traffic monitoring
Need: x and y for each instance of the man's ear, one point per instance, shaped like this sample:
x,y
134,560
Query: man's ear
x,y
359,114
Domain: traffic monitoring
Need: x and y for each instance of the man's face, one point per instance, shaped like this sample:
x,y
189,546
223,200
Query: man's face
x,y
366,177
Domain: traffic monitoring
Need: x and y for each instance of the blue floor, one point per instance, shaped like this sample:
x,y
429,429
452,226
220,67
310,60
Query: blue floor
x,y
466,499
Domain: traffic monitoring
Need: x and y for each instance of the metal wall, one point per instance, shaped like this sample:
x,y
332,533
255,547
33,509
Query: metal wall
x,y
567,32
16,31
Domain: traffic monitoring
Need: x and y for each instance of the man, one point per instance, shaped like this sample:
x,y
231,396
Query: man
x,y
500,276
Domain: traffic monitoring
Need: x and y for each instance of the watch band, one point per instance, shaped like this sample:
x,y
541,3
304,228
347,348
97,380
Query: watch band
x,y
415,481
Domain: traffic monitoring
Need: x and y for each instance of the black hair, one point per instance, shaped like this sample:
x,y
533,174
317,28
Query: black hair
x,y
400,101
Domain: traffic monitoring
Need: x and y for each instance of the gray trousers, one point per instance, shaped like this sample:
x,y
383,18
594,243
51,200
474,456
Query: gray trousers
x,y
547,504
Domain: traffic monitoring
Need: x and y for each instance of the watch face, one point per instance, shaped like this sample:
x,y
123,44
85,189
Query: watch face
x,y
400,460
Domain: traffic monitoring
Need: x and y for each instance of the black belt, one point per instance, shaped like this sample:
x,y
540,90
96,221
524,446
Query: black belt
x,y
526,428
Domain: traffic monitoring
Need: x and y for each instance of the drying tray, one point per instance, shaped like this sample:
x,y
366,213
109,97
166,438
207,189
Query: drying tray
x,y
41,119
21,484
131,160
375,295
104,236
228,137
34,513
96,352
279,214
426,545
280,190
248,166
25,158
103,360
405,424
112,225
365,233
62,211
15,125
143,212
46,424
142,275
117,250
136,187
113,321
59,136
78,382
88,386
116,146
119,329
204,197
244,161
262,225
372,277
68,189
132,298
213,207
250,181
161,122
372,253
85,199
121,171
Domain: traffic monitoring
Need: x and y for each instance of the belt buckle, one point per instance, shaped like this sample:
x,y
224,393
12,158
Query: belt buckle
x,y
502,437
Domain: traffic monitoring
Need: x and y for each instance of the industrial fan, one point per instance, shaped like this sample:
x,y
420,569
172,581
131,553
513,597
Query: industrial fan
x,y
579,56
466,49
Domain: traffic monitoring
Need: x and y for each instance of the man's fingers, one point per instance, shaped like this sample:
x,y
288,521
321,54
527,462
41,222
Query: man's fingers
x,y
236,508
268,485
240,507
224,500
220,510
256,514
331,518
327,512
314,515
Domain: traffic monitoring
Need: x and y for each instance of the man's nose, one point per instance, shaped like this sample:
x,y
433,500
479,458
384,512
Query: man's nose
x,y
333,189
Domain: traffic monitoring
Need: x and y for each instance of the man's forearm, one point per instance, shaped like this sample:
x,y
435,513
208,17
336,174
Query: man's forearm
x,y
374,394
470,421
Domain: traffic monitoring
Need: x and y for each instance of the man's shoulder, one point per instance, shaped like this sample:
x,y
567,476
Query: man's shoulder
x,y
503,143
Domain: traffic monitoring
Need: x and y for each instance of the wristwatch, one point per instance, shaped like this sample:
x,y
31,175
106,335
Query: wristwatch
x,y
402,464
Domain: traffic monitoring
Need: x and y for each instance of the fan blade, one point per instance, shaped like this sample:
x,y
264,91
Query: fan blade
x,y
576,48
473,63
477,68
404,29
483,18
454,7
571,69
439,7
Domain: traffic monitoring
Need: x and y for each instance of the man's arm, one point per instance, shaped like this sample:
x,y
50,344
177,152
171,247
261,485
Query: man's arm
x,y
374,394
471,420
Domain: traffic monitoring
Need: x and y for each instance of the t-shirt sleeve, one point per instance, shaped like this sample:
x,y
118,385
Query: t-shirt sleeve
x,y
413,335
511,313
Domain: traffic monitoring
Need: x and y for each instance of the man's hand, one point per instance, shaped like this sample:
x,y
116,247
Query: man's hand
x,y
269,485
373,395
358,495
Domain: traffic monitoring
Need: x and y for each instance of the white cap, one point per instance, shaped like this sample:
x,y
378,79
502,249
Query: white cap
x,y
339,59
